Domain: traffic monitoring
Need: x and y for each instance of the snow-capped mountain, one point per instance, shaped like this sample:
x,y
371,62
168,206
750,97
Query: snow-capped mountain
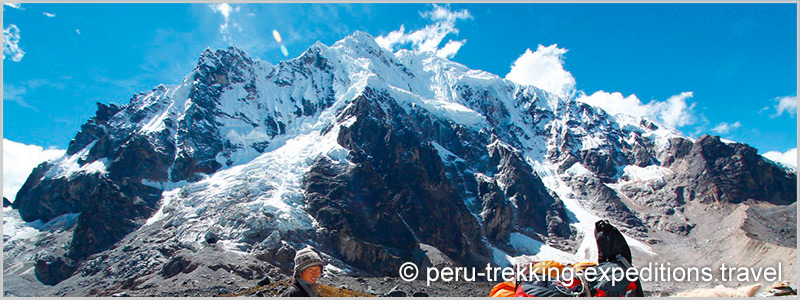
x,y
373,157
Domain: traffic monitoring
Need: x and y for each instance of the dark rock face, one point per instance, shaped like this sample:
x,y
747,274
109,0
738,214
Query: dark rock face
x,y
51,270
714,172
607,203
397,195
538,213
6,203
400,191
355,220
108,213
94,128
48,199
498,216
176,265
677,149
143,157
198,141
111,213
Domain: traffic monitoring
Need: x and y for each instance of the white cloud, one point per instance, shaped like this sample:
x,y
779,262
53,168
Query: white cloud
x,y
724,127
392,38
786,104
440,13
18,162
222,8
450,49
674,112
545,70
78,31
11,43
225,10
13,5
429,38
788,158
50,15
615,103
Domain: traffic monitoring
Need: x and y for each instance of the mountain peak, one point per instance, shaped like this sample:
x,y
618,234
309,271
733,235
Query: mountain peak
x,y
213,57
358,40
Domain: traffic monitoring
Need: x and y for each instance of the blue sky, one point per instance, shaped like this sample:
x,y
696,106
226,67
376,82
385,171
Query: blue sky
x,y
723,69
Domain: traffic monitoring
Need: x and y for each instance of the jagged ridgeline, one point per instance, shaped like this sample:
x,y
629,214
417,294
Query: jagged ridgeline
x,y
375,158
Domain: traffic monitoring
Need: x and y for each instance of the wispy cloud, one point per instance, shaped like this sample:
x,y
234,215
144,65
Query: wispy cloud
x,y
36,83
15,94
18,162
222,8
788,158
11,47
785,104
13,5
49,15
225,9
544,69
78,31
674,112
430,37
724,127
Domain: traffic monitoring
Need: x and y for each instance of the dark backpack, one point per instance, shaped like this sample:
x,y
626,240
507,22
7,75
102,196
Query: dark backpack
x,y
613,252
610,243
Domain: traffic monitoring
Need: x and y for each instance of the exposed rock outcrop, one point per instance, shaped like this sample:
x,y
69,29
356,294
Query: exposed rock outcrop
x,y
717,172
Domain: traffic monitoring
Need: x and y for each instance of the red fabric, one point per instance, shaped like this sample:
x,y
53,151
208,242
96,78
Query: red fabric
x,y
631,286
600,293
521,292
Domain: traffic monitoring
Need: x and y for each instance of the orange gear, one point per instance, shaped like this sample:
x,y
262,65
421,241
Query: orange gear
x,y
548,267
503,289
583,265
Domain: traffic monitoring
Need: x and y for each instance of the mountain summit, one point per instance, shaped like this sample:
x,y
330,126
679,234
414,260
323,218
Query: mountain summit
x,y
375,158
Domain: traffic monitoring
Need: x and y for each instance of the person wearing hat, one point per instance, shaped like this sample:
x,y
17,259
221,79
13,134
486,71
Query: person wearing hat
x,y
307,269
